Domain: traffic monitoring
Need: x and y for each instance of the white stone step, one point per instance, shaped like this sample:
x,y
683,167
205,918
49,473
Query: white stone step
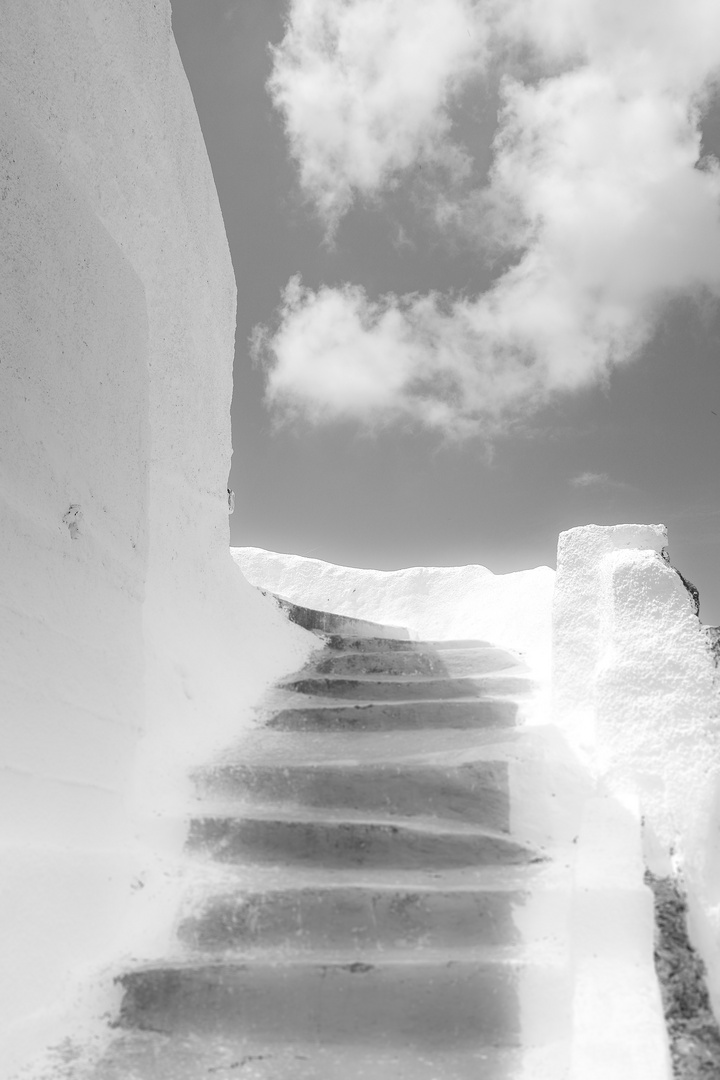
x,y
375,688
146,1055
347,643
206,877
264,746
352,917
470,792
345,841
421,662
429,1003
492,713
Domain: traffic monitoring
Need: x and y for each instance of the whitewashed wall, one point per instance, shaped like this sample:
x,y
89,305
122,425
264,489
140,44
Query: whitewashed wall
x,y
441,602
125,628
634,686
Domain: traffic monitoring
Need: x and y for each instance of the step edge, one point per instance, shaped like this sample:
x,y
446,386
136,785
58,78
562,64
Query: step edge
x,y
555,956
416,825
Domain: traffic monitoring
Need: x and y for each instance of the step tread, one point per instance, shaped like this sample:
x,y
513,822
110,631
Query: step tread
x,y
385,768
266,746
465,793
444,1004
308,816
483,716
549,876
362,920
417,664
387,644
512,667
351,843
447,1004
352,961
144,1055
394,688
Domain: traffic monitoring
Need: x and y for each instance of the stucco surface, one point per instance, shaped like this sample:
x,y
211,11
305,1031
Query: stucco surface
x,y
433,602
127,634
634,686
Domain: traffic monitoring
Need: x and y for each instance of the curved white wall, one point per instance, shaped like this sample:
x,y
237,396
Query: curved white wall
x,y
127,635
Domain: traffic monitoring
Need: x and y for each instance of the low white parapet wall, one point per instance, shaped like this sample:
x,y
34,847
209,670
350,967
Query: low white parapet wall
x,y
438,602
634,687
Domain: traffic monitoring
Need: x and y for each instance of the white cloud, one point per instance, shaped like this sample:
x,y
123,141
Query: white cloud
x,y
364,87
593,479
594,183
590,479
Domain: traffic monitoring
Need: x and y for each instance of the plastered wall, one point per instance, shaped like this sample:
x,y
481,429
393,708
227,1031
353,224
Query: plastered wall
x,y
128,639
634,686
433,601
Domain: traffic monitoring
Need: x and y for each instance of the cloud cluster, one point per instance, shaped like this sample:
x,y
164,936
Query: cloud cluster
x,y
596,480
596,186
364,86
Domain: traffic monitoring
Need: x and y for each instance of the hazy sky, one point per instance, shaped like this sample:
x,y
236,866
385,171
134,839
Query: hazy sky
x,y
479,264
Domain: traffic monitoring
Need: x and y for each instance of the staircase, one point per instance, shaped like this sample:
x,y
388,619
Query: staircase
x,y
383,876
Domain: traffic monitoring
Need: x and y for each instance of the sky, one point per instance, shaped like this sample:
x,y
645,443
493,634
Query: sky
x,y
477,250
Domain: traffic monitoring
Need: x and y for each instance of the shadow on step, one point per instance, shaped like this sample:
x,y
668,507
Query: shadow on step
x,y
467,687
474,792
339,844
354,917
431,1005
403,716
147,1055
